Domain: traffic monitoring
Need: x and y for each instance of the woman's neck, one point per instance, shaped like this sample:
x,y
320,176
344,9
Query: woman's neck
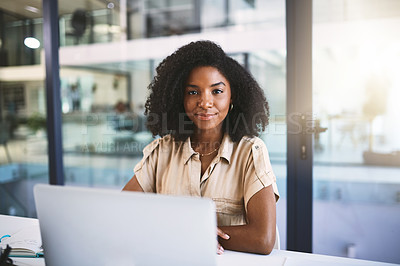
x,y
207,139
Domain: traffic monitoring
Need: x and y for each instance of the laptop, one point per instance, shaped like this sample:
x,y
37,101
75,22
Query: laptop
x,y
88,226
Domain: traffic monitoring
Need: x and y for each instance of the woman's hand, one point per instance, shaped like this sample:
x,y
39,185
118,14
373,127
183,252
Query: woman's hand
x,y
222,235
133,185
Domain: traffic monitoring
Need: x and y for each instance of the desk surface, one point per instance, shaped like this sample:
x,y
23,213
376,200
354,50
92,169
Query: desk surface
x,y
231,258
276,258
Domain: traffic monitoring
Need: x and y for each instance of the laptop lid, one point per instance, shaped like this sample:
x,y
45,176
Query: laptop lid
x,y
87,226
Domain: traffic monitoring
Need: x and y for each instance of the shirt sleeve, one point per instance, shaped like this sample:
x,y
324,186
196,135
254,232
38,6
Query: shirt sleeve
x,y
145,170
259,172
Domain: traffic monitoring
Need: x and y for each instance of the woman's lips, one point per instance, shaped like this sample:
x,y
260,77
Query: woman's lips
x,y
201,116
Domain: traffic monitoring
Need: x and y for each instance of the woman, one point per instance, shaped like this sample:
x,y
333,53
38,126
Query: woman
x,y
209,111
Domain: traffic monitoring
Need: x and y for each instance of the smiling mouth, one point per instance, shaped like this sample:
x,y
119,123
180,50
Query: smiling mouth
x,y
205,116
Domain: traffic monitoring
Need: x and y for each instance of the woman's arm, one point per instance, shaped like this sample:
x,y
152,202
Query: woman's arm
x,y
133,185
258,235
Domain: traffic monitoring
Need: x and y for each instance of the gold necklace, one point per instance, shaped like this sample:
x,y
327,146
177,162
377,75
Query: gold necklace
x,y
209,153
206,154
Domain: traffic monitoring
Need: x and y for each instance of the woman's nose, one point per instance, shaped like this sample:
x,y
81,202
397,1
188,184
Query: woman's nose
x,y
206,101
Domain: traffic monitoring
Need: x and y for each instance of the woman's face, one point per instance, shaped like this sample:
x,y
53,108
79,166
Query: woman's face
x,y
207,98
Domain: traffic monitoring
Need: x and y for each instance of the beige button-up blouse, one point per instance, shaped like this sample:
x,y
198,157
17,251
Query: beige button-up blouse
x,y
238,171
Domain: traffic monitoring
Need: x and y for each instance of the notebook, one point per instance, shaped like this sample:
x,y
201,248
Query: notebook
x,y
24,243
87,226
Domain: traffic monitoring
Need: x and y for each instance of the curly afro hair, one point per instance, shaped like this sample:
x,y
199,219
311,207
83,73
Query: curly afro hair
x,y
164,106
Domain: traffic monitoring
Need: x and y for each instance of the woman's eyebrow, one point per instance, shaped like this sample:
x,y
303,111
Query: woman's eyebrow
x,y
212,85
217,84
191,86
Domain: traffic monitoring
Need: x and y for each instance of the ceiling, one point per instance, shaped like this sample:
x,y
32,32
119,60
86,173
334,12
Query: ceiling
x,y
33,8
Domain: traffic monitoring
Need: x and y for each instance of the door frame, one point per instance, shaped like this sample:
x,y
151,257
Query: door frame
x,y
299,120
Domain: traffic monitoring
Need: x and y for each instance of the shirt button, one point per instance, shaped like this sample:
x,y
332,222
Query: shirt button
x,y
256,147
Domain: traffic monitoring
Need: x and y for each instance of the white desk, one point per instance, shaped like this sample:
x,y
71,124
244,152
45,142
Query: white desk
x,y
277,257
229,258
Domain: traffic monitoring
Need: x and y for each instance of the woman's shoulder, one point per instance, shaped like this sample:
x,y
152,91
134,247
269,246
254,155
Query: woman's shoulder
x,y
251,143
165,143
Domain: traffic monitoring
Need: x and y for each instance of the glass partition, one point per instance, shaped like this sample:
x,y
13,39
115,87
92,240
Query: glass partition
x,y
23,140
104,129
269,69
21,37
356,46
91,22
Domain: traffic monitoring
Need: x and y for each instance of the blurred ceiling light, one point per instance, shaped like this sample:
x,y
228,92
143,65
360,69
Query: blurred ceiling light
x,y
110,5
32,42
32,9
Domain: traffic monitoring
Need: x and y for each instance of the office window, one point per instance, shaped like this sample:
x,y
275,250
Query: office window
x,y
21,34
23,138
357,160
104,129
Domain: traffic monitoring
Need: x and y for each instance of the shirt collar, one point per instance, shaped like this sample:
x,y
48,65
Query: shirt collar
x,y
225,150
187,150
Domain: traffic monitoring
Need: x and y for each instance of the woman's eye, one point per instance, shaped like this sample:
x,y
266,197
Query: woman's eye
x,y
192,92
217,91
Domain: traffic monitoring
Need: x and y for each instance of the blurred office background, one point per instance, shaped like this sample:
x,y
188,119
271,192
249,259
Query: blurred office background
x,y
108,54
